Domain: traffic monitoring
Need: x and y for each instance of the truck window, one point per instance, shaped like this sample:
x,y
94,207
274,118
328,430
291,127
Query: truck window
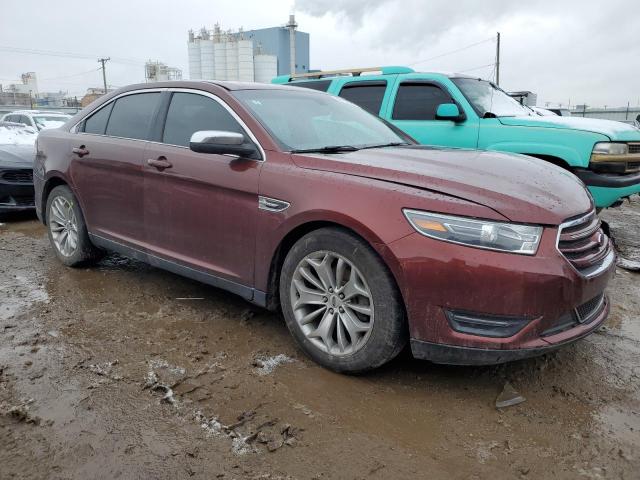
x,y
418,101
367,95
321,85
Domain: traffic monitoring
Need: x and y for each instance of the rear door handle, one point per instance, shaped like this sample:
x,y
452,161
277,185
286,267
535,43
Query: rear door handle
x,y
81,151
160,163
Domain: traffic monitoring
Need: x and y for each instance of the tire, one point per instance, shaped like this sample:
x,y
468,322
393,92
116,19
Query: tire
x,y
341,344
62,206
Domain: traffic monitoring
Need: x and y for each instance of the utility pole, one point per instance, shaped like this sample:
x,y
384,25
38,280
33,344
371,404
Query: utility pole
x,y
104,72
498,60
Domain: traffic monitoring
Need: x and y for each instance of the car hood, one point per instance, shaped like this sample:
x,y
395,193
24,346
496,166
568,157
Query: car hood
x,y
17,156
613,130
522,189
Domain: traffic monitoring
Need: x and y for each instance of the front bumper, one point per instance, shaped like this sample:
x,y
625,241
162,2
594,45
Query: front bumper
x,y
460,355
16,197
608,188
437,277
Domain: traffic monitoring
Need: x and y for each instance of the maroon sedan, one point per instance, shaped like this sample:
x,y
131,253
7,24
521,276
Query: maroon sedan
x,y
298,200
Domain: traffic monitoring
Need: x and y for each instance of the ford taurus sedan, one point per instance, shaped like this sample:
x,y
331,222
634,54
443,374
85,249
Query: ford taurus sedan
x,y
301,201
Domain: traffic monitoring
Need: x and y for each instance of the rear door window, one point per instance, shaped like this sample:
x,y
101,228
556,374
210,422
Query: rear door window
x,y
190,112
367,95
97,123
132,115
321,85
419,101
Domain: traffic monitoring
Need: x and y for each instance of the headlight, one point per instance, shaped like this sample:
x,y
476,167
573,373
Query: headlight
x,y
609,148
504,237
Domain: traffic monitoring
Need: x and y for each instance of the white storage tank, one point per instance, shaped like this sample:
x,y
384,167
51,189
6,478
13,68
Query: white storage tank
x,y
207,60
266,67
232,59
195,69
245,61
220,59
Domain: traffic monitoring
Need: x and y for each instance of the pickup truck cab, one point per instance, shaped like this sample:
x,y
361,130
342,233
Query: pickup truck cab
x,y
460,111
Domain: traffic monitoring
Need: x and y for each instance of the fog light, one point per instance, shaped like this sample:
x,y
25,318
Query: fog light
x,y
485,325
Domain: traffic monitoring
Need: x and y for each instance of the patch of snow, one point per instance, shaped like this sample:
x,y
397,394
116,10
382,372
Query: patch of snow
x,y
154,364
17,135
266,365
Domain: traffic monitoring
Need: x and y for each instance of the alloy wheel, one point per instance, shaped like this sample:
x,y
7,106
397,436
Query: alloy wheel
x,y
332,303
63,225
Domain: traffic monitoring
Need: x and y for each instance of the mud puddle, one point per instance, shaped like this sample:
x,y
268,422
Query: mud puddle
x,y
137,373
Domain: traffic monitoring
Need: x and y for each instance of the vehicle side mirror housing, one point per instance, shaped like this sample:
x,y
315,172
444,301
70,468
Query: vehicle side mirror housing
x,y
223,143
450,111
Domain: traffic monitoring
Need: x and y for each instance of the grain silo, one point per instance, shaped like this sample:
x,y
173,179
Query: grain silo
x,y
207,59
193,48
231,50
245,60
265,66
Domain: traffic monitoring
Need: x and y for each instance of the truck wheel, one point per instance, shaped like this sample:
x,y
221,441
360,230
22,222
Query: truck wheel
x,y
341,303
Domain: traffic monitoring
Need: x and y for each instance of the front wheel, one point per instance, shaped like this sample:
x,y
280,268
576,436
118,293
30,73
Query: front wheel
x,y
67,230
341,303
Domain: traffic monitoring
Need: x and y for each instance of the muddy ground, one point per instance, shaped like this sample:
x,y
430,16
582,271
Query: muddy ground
x,y
126,371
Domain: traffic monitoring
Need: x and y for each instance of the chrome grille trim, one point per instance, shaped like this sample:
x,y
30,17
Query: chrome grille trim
x,y
582,230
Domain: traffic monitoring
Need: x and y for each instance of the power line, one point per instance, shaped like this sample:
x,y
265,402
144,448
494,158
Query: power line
x,y
69,76
53,53
454,51
477,68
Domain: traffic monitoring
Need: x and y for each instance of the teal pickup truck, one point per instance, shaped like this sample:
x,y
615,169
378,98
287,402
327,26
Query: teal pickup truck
x,y
461,111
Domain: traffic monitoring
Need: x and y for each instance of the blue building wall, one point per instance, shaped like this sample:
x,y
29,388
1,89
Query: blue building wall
x,y
275,41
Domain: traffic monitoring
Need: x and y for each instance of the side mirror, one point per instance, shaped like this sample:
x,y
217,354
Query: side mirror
x,y
223,143
450,111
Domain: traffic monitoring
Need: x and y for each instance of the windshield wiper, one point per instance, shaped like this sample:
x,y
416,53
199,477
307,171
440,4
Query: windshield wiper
x,y
328,149
382,145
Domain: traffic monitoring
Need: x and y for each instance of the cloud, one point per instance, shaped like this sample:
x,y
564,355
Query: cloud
x,y
561,49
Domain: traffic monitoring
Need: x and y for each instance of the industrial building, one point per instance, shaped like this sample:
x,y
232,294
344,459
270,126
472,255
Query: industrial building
x,y
248,56
155,71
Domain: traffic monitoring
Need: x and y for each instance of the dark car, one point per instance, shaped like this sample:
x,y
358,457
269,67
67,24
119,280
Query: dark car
x,y
298,200
16,168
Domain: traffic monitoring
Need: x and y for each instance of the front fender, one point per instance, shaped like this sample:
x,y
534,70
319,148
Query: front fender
x,y
569,155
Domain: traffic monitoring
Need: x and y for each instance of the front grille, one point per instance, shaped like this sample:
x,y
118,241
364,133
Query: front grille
x,y
24,201
23,175
583,243
634,147
581,315
11,201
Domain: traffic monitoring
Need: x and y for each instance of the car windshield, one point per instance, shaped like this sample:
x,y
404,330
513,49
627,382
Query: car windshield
x,y
50,121
487,98
309,120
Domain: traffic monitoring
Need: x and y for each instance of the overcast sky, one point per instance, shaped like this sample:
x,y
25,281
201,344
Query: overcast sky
x,y
564,50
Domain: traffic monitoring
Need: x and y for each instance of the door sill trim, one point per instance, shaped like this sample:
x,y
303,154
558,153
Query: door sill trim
x,y
251,294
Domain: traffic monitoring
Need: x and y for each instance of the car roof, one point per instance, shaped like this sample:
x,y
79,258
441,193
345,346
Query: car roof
x,y
227,85
369,72
37,112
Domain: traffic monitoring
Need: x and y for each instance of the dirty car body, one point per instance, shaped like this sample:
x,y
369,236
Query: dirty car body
x,y
488,263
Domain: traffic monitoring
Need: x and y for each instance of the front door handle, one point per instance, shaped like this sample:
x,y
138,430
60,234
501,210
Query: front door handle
x,y
81,151
160,163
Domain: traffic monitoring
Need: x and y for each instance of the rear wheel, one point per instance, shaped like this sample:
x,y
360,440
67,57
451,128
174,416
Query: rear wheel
x,y
67,229
341,303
